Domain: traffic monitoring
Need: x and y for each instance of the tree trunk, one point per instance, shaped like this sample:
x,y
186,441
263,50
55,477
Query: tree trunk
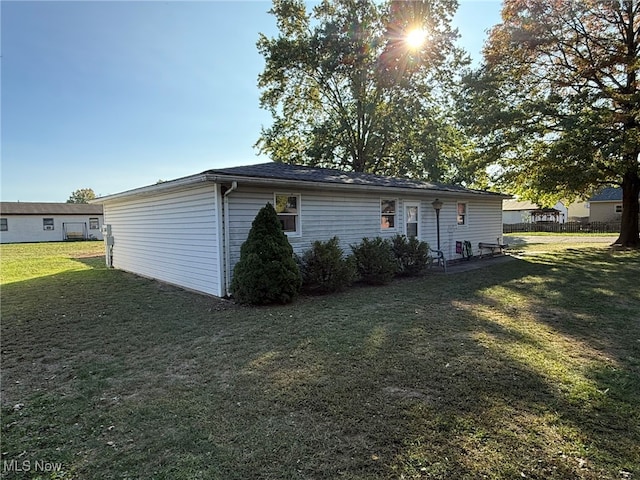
x,y
629,236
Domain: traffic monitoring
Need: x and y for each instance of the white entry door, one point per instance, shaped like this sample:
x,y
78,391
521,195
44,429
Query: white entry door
x,y
412,219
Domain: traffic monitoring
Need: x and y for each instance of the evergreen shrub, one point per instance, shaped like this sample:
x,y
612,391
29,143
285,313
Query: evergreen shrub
x,y
325,268
411,254
375,261
267,271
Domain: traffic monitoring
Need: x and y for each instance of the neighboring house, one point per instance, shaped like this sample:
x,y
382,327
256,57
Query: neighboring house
x,y
517,211
606,206
578,212
189,231
49,222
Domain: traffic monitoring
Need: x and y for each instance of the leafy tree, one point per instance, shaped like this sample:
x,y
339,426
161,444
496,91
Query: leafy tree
x,y
267,271
347,89
82,195
556,104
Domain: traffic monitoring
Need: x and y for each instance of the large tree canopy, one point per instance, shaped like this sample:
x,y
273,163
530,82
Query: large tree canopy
x,y
349,87
82,195
556,104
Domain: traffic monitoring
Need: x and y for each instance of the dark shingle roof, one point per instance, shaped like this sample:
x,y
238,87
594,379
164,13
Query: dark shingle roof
x,y
610,194
300,173
43,208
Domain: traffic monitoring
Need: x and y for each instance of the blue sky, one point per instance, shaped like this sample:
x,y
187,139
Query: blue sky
x,y
116,95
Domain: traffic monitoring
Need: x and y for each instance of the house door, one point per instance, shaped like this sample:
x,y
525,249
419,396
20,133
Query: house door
x,y
412,219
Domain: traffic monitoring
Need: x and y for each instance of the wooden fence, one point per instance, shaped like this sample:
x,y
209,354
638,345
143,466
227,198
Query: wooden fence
x,y
569,227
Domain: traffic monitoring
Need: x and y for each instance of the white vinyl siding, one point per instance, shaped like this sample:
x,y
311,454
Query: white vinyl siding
x,y
353,216
483,223
349,216
171,236
176,236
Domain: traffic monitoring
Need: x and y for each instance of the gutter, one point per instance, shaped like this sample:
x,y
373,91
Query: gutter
x,y
158,187
225,242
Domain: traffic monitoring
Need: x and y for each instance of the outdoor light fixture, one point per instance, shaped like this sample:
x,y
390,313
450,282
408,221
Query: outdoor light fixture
x,y
437,205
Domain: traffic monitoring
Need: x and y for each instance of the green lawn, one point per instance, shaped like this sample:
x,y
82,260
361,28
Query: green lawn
x,y
526,369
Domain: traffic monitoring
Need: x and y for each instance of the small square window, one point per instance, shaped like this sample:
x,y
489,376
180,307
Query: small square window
x,y
288,210
4,226
618,209
462,213
94,224
47,223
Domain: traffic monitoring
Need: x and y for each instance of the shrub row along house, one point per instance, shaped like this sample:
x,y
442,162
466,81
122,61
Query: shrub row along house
x,y
49,222
189,231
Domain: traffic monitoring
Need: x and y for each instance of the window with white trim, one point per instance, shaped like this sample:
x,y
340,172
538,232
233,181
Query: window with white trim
x,y
94,224
618,208
462,213
288,209
4,226
47,223
388,213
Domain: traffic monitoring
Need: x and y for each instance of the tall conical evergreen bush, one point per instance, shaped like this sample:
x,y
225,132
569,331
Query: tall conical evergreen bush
x,y
267,271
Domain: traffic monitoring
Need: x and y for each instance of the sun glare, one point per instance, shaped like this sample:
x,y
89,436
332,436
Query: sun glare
x,y
415,38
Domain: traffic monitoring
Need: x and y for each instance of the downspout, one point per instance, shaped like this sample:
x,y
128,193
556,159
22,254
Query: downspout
x,y
225,241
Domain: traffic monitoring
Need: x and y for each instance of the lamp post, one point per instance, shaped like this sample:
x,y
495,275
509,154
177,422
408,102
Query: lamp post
x,y
437,205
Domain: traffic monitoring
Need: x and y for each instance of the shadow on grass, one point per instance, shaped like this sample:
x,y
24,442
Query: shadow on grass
x,y
515,370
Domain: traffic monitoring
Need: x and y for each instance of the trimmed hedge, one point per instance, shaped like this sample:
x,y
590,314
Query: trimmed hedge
x,y
325,269
411,254
375,261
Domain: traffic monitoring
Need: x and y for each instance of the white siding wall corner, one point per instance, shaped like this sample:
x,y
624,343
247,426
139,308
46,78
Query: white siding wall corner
x,y
172,236
178,236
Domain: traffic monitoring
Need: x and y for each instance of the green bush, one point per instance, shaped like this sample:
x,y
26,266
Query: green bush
x,y
325,269
411,254
375,261
266,272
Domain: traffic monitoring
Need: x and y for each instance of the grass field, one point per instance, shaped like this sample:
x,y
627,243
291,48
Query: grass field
x,y
525,369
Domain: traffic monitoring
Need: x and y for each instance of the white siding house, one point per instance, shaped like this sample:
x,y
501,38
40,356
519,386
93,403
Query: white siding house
x,y
49,222
189,231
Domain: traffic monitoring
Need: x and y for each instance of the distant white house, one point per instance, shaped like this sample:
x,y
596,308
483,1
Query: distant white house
x,y
49,222
189,231
519,211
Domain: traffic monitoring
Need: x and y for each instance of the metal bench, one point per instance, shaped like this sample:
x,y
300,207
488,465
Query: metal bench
x,y
493,247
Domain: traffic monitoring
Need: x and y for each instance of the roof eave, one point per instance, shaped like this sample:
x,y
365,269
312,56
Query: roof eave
x,y
270,181
287,183
176,184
